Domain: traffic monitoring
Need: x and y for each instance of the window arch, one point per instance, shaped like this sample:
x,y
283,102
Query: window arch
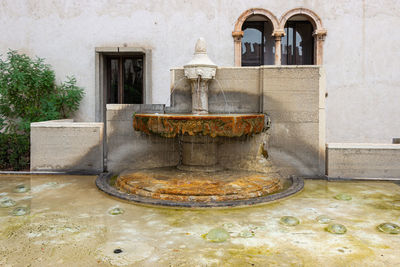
x,y
298,42
258,44
252,37
306,26
278,31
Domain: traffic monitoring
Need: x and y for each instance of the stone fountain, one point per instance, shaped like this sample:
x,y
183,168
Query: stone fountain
x,y
199,180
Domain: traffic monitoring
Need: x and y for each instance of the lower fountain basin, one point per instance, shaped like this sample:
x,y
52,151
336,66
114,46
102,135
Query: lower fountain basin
x,y
176,185
168,186
227,125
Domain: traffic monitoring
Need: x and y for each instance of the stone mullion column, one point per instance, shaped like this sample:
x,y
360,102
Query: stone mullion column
x,y
237,39
278,53
319,38
199,96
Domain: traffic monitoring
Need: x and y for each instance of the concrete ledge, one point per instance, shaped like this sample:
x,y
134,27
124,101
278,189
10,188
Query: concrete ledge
x,y
64,145
355,160
137,107
362,146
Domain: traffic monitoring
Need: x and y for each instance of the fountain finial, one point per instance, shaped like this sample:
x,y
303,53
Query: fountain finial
x,y
201,46
199,61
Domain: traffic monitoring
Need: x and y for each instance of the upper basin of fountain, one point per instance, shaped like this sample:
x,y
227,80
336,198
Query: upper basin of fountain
x,y
227,125
200,70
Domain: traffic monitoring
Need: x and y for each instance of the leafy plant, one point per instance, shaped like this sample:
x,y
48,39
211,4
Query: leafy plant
x,y
28,93
14,151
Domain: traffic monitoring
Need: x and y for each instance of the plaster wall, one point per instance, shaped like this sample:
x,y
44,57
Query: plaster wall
x,y
360,52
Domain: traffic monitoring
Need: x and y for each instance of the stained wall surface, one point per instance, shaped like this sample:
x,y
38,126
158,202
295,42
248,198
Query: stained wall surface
x,y
360,51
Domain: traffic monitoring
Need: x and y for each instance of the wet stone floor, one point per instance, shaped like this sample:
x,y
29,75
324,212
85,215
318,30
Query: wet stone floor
x,y
66,221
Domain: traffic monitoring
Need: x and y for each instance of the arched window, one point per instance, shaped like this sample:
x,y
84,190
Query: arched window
x,y
298,42
258,44
303,38
296,39
253,41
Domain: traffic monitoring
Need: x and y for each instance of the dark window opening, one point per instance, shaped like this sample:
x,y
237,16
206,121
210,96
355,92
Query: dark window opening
x,y
258,45
125,79
298,43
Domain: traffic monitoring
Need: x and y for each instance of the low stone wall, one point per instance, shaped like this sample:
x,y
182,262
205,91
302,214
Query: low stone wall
x,y
129,149
64,145
349,160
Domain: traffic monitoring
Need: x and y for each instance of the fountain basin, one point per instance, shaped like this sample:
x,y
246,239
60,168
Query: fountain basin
x,y
226,125
184,186
171,188
199,180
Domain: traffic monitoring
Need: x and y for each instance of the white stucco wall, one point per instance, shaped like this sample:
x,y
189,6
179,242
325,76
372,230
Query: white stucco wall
x,y
361,52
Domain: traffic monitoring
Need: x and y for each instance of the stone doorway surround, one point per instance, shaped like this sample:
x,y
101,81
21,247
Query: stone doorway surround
x,y
279,31
101,53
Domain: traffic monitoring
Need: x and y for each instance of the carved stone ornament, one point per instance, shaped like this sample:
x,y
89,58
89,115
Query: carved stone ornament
x,y
200,65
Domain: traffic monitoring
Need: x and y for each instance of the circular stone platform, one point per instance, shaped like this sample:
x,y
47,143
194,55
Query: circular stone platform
x,y
175,185
172,187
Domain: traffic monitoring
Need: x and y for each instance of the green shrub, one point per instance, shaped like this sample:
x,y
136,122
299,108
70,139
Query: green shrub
x,y
28,93
14,151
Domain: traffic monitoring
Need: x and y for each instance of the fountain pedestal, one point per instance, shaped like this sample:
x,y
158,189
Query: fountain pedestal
x,y
199,96
198,134
199,153
199,71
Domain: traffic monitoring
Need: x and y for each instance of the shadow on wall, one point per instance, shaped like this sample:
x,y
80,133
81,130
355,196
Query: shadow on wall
x,y
294,142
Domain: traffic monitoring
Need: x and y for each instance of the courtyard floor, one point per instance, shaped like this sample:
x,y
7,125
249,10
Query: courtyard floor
x,y
69,222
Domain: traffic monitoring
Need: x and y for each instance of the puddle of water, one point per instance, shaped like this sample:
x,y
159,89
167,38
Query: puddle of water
x,y
68,223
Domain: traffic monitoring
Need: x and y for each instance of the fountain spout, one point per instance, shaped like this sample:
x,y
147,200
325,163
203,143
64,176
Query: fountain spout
x,y
200,70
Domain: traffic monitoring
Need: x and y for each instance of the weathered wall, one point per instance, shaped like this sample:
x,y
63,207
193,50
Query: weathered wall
x,y
293,97
360,52
347,160
64,145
